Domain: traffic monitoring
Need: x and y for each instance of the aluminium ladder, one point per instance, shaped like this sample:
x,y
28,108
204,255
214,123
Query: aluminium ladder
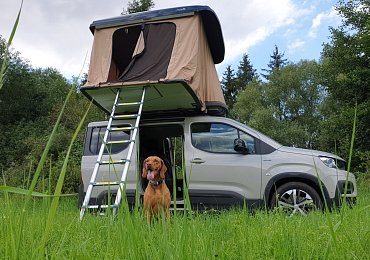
x,y
126,162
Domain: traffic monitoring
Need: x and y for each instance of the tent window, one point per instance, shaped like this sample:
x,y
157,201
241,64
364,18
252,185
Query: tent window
x,y
152,62
124,43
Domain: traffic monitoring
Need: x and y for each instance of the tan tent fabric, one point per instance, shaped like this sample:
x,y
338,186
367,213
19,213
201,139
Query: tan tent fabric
x,y
101,57
191,59
139,45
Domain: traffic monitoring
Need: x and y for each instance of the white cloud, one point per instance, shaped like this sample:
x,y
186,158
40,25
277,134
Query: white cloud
x,y
55,33
295,45
321,18
248,23
236,47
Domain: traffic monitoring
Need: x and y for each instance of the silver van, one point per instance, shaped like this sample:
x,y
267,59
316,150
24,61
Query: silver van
x,y
222,163
166,58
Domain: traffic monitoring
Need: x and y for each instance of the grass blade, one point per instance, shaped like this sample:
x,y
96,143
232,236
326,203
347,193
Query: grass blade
x,y
15,25
46,150
58,189
350,155
21,191
4,65
11,233
40,167
328,220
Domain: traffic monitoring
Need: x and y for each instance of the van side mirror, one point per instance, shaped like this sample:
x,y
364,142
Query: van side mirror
x,y
240,147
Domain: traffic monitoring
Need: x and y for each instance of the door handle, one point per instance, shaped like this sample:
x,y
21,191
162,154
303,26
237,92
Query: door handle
x,y
197,160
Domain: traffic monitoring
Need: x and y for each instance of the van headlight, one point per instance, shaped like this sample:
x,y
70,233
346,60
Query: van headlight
x,y
333,163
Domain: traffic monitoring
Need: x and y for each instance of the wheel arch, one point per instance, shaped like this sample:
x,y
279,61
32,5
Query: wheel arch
x,y
283,178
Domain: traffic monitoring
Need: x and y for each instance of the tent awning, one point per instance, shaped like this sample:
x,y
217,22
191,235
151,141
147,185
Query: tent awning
x,y
168,97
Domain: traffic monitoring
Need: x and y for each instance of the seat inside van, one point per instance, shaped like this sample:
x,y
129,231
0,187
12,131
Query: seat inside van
x,y
165,142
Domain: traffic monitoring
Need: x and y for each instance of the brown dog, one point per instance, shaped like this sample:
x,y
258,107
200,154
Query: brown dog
x,y
157,197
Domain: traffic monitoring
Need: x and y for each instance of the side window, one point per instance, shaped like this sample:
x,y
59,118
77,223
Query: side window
x,y
249,142
97,136
219,138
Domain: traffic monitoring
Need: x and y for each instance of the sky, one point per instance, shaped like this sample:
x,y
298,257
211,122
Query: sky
x,y
55,33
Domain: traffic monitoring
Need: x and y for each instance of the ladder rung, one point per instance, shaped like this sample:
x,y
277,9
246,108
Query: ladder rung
x,y
129,104
126,128
125,116
120,142
113,162
105,183
100,206
177,209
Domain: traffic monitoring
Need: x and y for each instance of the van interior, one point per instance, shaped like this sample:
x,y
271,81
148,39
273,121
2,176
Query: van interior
x,y
166,142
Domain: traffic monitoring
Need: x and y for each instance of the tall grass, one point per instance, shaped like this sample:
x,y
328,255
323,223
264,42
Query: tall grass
x,y
334,228
58,189
17,228
234,234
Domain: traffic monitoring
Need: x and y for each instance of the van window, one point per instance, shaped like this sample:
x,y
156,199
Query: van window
x,y
97,135
219,138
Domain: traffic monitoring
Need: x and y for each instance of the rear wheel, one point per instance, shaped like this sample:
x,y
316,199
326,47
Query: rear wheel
x,y
296,198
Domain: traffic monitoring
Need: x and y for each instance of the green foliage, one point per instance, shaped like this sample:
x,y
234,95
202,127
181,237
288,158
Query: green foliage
x,y
276,62
312,105
245,74
139,6
365,158
229,86
346,68
30,101
249,102
233,84
288,107
29,94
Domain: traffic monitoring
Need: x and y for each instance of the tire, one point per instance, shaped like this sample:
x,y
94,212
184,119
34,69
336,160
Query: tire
x,y
296,198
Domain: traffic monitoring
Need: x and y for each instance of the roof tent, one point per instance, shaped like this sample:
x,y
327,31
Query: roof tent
x,y
172,52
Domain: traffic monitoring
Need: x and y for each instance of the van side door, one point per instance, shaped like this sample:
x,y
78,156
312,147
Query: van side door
x,y
219,175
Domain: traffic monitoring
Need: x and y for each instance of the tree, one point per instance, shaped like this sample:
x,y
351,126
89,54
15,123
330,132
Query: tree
x,y
229,87
139,6
288,107
246,73
248,102
346,64
276,63
233,84
30,102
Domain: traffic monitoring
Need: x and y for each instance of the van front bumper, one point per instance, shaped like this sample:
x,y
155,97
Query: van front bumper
x,y
345,192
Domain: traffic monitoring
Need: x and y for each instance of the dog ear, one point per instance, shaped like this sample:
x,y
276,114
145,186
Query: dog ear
x,y
163,169
144,169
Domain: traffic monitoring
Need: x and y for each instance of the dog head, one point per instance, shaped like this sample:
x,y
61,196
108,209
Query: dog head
x,y
154,168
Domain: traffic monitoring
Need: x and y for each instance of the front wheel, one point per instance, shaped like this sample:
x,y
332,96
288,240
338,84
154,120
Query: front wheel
x,y
296,198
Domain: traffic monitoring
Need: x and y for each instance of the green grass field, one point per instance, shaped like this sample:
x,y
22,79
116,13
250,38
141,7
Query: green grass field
x,y
233,234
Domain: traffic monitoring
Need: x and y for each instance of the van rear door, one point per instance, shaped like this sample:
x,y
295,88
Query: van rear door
x,y
93,140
